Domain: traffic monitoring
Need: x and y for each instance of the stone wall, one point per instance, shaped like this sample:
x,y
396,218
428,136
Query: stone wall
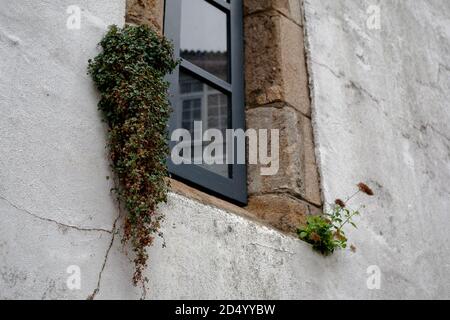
x,y
148,12
277,97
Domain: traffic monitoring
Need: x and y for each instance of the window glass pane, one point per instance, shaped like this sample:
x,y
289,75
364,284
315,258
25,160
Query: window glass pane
x,y
204,37
201,102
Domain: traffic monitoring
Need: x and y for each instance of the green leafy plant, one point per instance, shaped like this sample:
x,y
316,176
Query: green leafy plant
x,y
325,232
129,73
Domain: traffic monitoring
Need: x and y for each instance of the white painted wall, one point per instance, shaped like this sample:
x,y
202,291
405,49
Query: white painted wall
x,y
52,149
380,101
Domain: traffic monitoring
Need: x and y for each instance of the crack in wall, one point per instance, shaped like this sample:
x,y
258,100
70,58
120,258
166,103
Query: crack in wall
x,y
279,104
60,224
356,86
338,75
273,10
350,83
272,248
105,260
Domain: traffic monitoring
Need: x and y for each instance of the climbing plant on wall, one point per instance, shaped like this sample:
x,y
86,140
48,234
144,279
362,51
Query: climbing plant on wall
x,y
129,73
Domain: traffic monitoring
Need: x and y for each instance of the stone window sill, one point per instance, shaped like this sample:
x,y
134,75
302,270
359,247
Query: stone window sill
x,y
277,211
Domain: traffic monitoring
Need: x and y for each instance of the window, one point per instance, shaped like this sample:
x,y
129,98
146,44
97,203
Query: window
x,y
207,93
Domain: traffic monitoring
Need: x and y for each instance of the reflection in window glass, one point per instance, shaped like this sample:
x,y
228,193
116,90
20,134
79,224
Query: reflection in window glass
x,y
218,112
191,113
204,37
201,102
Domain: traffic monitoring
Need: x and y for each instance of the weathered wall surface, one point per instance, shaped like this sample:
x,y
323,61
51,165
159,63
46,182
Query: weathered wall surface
x,y
55,205
379,114
214,254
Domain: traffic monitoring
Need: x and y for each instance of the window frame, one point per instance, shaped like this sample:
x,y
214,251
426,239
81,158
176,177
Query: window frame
x,y
234,188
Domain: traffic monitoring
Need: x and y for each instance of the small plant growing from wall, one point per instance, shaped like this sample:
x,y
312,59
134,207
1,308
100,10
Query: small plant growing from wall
x,y
129,73
326,232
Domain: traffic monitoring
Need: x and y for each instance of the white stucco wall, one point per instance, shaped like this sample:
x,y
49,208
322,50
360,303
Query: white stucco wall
x,y
380,116
55,206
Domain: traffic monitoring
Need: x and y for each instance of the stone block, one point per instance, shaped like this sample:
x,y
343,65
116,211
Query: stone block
x,y
281,211
275,67
297,174
290,8
148,12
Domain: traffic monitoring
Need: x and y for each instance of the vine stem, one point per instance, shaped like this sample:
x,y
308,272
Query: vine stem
x,y
352,196
349,218
347,200
346,221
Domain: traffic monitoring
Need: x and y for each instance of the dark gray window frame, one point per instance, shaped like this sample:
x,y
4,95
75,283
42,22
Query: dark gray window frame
x,y
234,188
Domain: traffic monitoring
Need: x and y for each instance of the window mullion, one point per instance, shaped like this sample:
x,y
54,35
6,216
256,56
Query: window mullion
x,y
221,4
206,76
